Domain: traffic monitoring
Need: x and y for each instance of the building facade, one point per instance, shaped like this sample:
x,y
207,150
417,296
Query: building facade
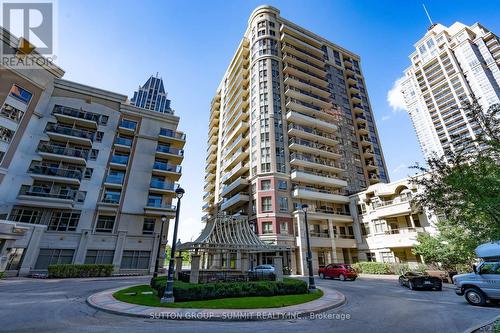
x,y
386,223
291,124
152,96
449,65
85,177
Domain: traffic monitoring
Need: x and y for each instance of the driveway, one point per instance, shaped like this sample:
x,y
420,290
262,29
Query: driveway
x,y
373,305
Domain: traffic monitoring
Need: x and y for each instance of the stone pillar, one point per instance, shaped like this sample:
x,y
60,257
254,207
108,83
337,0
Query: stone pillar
x,y
154,254
278,267
81,251
411,221
293,269
120,243
195,268
244,266
32,250
302,243
238,260
228,260
178,266
331,228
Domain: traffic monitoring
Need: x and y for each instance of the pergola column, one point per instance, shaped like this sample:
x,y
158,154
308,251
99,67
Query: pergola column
x,y
195,268
278,267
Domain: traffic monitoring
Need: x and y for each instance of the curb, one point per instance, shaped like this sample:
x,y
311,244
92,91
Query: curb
x,y
476,327
108,303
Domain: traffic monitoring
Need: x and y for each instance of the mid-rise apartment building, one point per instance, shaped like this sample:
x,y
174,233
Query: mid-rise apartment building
x,y
85,177
291,124
449,65
386,222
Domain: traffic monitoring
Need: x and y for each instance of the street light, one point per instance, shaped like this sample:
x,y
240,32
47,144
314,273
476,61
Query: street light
x,y
168,296
158,257
312,285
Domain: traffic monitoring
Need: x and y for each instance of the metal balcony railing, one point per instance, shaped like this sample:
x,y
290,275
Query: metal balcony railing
x,y
167,167
72,112
48,191
55,171
66,151
79,133
172,134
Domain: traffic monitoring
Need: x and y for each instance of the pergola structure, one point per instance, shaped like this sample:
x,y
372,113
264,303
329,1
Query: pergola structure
x,y
227,243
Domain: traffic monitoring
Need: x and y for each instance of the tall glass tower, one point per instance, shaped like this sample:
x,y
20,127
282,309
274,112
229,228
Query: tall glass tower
x,y
152,96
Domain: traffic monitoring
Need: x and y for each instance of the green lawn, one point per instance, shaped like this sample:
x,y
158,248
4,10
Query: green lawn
x,y
223,303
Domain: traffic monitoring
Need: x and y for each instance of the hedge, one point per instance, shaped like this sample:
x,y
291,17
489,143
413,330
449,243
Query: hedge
x,y
85,270
191,292
372,267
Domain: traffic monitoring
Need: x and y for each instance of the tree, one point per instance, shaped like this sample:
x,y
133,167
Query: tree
x,y
464,187
185,254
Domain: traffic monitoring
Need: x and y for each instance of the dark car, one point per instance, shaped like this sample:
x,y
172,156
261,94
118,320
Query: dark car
x,y
338,271
415,280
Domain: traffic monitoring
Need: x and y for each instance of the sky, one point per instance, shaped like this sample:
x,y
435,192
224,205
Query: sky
x,y
116,45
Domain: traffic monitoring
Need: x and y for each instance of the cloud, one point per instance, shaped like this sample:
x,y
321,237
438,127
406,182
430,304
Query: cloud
x,y
400,168
384,118
395,96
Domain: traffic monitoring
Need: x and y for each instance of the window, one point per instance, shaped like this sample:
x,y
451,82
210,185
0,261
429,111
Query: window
x,y
105,223
115,177
267,205
25,215
135,260
6,134
387,256
125,123
267,227
284,228
155,200
98,137
11,112
88,173
64,221
102,257
265,185
93,154
283,202
370,256
282,185
20,94
149,226
111,196
490,268
103,120
48,257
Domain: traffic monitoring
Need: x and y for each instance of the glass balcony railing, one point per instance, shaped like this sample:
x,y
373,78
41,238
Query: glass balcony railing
x,y
72,112
79,133
132,125
66,151
170,150
111,197
55,171
158,204
172,134
167,167
48,191
119,159
123,141
115,179
162,185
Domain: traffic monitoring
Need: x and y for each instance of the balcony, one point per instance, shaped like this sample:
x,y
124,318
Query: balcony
x,y
309,161
127,126
173,154
306,85
317,178
69,134
75,116
236,186
49,173
238,143
312,134
239,129
66,154
405,237
157,208
119,161
309,147
168,135
390,208
358,108
208,197
299,39
163,187
306,120
351,79
235,201
303,53
114,180
365,141
368,153
238,170
363,129
330,213
49,196
309,66
345,241
123,144
167,169
354,90
373,178
238,156
304,74
210,186
308,193
370,165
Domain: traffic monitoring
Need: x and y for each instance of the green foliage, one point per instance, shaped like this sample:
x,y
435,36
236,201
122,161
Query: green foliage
x,y
368,267
189,292
2,275
74,271
400,268
185,255
464,188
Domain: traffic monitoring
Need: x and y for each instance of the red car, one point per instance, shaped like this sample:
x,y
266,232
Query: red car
x,y
340,271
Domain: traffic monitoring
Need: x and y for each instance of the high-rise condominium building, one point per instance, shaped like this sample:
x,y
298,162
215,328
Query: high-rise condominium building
x,y
449,65
291,124
152,96
85,177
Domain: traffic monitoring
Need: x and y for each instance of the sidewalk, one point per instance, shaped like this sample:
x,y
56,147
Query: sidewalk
x,y
106,302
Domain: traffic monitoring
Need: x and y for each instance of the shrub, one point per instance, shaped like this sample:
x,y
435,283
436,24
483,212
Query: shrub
x,y
400,268
2,275
421,268
190,292
85,270
372,267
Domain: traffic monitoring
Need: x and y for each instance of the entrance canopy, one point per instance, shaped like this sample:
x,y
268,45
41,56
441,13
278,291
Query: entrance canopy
x,y
225,232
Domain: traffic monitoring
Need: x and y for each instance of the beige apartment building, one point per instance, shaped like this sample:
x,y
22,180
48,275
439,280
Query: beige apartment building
x,y
448,66
291,124
85,177
387,223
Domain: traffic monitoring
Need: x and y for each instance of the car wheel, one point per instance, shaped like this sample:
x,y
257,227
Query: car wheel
x,y
353,279
411,286
439,288
321,275
342,277
475,297
401,283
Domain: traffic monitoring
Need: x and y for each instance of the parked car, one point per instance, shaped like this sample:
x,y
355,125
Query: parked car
x,y
341,271
263,270
414,280
484,284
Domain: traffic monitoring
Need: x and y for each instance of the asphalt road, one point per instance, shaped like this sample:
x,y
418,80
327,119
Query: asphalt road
x,y
373,306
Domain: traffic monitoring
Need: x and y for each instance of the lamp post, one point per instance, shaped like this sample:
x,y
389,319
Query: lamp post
x,y
312,285
168,296
158,257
